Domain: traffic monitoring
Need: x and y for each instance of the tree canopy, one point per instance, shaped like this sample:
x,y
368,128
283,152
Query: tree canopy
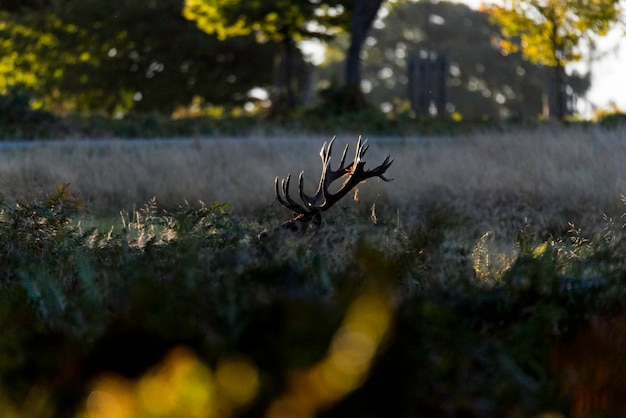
x,y
268,20
483,83
553,32
287,21
114,55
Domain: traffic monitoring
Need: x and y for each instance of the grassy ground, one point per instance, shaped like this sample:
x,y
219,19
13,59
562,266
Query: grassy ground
x,y
548,175
484,281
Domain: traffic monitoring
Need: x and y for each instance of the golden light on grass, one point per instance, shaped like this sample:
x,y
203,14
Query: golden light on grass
x,y
39,403
491,258
346,365
112,398
181,386
237,381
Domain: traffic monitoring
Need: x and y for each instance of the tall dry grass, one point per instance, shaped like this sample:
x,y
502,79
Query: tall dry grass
x,y
549,175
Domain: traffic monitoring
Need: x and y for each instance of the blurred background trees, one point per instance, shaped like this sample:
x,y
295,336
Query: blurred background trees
x,y
281,22
114,57
554,33
482,82
286,23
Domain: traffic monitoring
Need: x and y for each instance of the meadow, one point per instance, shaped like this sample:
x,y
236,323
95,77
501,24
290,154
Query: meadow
x,y
575,172
486,280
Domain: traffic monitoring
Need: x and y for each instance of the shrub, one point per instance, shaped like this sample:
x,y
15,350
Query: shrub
x,y
397,319
19,120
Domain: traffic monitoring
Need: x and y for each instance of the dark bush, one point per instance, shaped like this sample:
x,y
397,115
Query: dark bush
x,y
424,334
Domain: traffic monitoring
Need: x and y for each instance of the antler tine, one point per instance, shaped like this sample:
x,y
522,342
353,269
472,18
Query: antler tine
x,y
281,200
295,205
332,175
324,152
280,195
285,199
343,157
309,201
361,149
380,170
357,152
357,174
327,176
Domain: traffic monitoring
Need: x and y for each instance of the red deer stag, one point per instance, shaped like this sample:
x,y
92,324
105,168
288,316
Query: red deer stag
x,y
311,208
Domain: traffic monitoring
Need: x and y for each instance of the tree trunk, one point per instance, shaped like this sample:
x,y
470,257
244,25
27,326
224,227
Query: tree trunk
x,y
560,102
558,83
285,96
363,16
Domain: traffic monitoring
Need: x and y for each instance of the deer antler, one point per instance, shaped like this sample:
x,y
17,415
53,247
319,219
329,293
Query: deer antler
x,y
312,207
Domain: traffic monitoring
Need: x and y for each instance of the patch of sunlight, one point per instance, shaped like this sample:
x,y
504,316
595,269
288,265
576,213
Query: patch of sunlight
x,y
540,249
180,386
215,111
345,367
111,398
490,260
237,381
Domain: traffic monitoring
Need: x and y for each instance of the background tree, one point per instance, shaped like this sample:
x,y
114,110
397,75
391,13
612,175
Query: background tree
x,y
113,55
284,22
553,32
363,14
482,83
289,21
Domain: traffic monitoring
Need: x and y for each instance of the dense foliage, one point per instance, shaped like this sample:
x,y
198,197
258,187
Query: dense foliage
x,y
112,56
554,33
160,316
19,121
482,82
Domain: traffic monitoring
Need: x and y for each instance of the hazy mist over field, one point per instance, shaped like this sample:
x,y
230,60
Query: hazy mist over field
x,y
555,172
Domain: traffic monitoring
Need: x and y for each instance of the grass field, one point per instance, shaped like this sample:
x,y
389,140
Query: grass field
x,y
487,280
551,173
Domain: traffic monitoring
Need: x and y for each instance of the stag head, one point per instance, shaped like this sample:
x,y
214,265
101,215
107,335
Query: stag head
x,y
309,209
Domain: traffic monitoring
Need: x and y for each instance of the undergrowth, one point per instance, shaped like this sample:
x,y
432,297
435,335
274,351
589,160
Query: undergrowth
x,y
17,124
186,312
